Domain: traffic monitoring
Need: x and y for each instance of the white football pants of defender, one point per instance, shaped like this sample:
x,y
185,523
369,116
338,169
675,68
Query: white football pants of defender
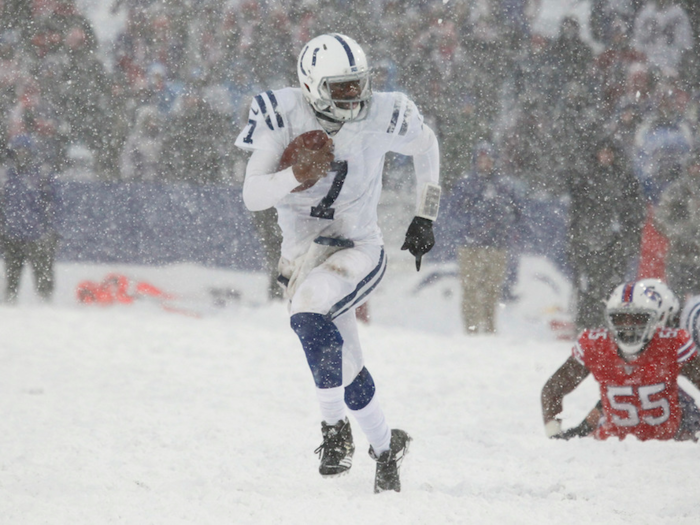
x,y
335,288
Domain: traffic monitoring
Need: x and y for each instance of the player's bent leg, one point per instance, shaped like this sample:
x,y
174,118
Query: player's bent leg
x,y
366,410
323,346
387,447
323,317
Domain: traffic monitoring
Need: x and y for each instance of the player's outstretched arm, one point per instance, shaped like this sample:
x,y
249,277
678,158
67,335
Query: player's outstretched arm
x,y
424,149
563,382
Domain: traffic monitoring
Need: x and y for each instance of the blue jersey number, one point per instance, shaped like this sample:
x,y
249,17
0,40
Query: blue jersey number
x,y
324,209
248,139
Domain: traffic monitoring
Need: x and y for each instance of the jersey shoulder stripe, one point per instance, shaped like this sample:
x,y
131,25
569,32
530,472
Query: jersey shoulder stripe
x,y
394,116
400,113
687,351
273,101
262,100
577,353
406,119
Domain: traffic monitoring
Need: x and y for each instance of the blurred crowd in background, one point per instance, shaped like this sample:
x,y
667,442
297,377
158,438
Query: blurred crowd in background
x,y
603,115
166,99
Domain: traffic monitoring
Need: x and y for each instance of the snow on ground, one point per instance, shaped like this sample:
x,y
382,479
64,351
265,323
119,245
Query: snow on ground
x,y
137,415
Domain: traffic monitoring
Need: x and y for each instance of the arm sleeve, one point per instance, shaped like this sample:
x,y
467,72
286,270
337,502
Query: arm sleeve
x,y
264,186
425,151
426,157
412,137
426,166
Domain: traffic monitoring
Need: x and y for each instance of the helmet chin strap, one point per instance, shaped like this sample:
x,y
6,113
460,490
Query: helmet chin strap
x,y
329,125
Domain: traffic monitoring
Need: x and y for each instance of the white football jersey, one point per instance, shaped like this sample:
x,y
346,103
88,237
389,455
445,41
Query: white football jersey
x,y
344,203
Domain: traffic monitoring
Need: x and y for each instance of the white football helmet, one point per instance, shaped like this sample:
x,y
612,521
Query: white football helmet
x,y
633,312
335,78
671,306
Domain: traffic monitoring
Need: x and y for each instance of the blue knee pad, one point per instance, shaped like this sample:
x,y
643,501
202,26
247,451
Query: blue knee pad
x,y
360,392
323,346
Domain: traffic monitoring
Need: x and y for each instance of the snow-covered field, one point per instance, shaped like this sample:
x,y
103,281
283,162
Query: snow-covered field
x,y
138,415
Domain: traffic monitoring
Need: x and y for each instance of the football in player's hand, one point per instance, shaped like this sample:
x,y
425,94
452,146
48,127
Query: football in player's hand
x,y
303,150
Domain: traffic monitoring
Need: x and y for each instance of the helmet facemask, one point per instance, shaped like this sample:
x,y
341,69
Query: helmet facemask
x,y
343,98
633,312
632,329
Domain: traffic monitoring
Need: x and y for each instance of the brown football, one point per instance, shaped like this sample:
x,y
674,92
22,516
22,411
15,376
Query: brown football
x,y
310,140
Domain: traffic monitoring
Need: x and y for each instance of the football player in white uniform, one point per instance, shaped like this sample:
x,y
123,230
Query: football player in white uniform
x,y
332,248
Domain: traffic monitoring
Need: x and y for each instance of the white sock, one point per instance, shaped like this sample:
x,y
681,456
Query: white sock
x,y
332,402
372,422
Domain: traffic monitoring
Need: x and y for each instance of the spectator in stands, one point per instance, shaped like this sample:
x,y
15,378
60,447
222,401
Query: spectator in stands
x,y
607,16
15,15
527,146
532,73
461,130
623,124
528,104
118,121
662,31
195,137
575,118
677,216
663,139
46,38
141,156
276,67
485,211
606,214
161,92
570,56
85,101
13,71
28,215
492,51
612,66
37,115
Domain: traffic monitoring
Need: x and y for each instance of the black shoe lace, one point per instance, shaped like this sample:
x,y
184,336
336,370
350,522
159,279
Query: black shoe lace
x,y
330,446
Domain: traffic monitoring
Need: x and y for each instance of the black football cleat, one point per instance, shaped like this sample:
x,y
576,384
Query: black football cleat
x,y
336,450
389,461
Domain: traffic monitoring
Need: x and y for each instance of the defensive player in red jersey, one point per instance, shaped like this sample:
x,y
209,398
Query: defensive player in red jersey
x,y
636,361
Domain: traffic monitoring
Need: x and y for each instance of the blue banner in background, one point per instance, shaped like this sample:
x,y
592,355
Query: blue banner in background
x,y
156,224
542,230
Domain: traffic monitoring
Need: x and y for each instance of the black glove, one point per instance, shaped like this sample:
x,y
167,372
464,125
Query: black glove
x,y
419,238
582,430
